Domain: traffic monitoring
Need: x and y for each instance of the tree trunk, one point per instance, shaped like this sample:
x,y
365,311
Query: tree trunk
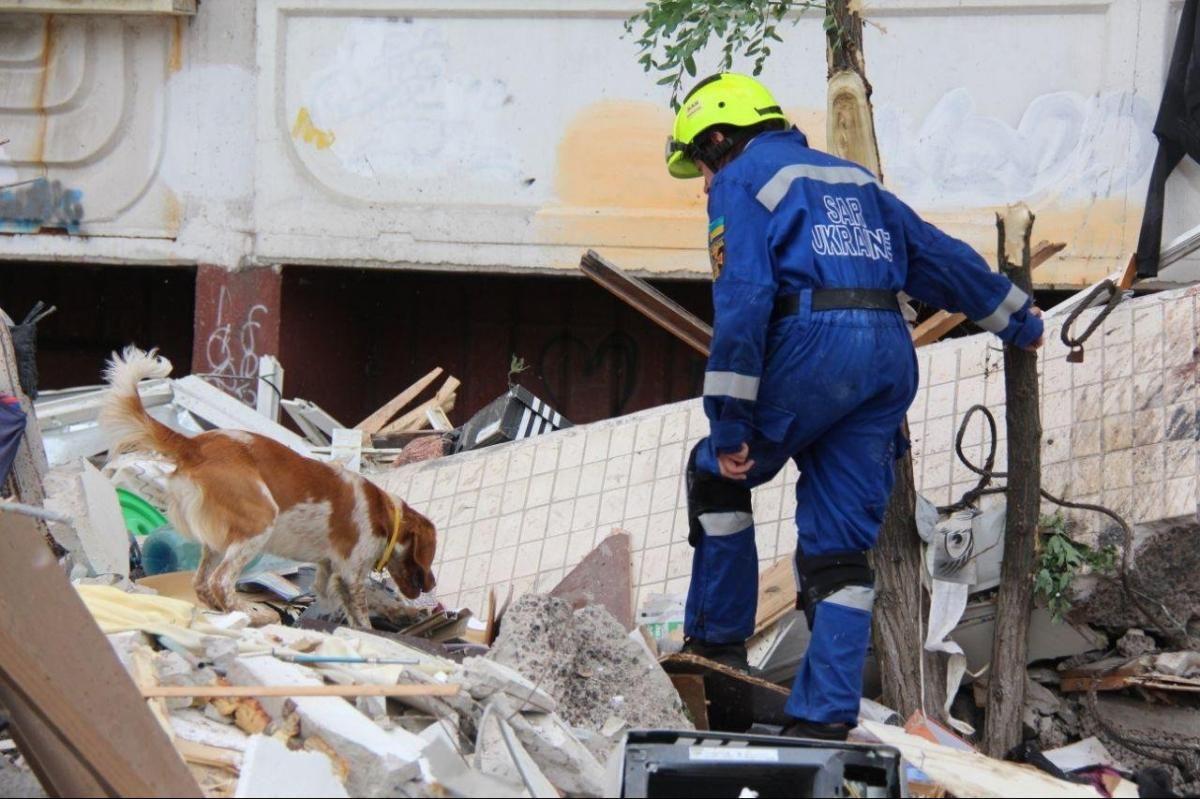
x,y
900,602
1006,682
849,120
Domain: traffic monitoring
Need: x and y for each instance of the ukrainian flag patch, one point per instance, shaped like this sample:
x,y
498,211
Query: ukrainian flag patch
x,y
716,245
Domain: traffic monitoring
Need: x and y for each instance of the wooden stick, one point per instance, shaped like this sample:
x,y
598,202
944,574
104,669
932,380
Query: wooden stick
x,y
416,419
208,755
373,423
208,691
943,322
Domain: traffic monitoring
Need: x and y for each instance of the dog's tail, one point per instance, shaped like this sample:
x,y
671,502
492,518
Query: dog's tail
x,y
124,416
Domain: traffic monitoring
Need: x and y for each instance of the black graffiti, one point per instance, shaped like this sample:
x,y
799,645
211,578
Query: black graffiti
x,y
39,204
619,351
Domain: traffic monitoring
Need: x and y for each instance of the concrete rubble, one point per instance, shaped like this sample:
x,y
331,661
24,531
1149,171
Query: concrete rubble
x,y
588,664
501,734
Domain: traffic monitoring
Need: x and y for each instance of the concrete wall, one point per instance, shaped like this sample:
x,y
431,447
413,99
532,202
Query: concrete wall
x,y
1120,429
515,133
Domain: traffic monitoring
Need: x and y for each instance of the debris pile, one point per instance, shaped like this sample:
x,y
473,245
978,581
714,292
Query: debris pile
x,y
279,710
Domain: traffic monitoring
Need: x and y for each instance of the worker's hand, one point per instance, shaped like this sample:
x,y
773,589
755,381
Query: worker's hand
x,y
1036,311
734,465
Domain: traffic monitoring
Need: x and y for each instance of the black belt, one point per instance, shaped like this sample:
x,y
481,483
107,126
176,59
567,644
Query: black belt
x,y
833,299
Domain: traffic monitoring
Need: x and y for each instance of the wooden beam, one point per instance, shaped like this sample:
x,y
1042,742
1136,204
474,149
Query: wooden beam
x,y
75,709
650,302
943,322
776,594
375,422
416,418
209,691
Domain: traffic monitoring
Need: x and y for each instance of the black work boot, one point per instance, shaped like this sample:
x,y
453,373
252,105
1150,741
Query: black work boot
x,y
816,730
731,655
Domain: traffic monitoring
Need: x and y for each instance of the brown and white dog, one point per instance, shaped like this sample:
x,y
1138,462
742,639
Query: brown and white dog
x,y
240,494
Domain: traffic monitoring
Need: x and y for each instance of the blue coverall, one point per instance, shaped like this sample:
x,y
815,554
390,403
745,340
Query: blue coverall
x,y
826,388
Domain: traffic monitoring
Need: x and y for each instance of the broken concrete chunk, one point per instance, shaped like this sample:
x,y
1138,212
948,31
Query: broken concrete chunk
x,y
564,760
1135,643
587,663
484,678
105,541
124,644
172,669
271,769
379,761
194,725
499,754
1040,698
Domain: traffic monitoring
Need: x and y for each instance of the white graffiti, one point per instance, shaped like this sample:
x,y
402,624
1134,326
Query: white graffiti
x,y
235,373
1066,147
406,103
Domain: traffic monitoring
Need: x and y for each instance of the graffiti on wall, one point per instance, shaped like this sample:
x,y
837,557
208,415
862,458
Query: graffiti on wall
x,y
402,100
231,350
40,203
1066,146
568,365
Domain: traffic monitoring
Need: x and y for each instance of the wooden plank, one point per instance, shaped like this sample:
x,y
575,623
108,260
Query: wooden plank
x,y
209,691
209,755
690,688
142,661
649,301
974,774
375,422
62,683
776,594
943,322
1095,682
416,418
735,700
604,577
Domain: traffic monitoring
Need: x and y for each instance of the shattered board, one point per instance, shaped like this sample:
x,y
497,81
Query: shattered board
x,y
735,700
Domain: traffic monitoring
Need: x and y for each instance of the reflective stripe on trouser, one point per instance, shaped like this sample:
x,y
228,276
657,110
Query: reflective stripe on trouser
x,y
724,584
829,684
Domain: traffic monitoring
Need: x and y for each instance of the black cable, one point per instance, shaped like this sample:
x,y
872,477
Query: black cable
x,y
1183,639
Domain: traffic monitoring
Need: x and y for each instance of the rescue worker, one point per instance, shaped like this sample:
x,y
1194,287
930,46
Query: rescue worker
x,y
811,360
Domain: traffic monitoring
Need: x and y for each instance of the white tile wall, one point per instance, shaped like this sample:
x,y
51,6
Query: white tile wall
x,y
1119,429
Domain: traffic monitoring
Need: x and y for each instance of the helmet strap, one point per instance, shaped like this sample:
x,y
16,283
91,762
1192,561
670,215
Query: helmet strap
x,y
712,153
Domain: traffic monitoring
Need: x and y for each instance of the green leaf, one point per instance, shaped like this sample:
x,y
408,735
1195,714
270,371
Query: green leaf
x,y
829,23
689,64
666,80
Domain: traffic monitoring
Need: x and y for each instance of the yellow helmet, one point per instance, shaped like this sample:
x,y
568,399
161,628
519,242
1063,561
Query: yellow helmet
x,y
722,99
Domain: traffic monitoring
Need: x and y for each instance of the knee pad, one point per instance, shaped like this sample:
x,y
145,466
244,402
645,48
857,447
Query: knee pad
x,y
842,577
712,494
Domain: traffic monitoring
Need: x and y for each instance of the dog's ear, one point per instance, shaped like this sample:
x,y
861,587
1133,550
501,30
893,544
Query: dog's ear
x,y
412,565
424,550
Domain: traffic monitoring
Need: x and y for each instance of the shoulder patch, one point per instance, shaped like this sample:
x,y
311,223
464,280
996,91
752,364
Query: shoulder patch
x,y
716,245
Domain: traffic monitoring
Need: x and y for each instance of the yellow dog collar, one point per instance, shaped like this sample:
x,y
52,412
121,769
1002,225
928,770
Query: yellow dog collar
x,y
391,544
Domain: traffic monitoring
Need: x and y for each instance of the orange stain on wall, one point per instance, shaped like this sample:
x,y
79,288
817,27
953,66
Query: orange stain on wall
x,y
613,192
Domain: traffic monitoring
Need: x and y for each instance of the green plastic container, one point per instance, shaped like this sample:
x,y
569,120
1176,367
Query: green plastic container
x,y
141,518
